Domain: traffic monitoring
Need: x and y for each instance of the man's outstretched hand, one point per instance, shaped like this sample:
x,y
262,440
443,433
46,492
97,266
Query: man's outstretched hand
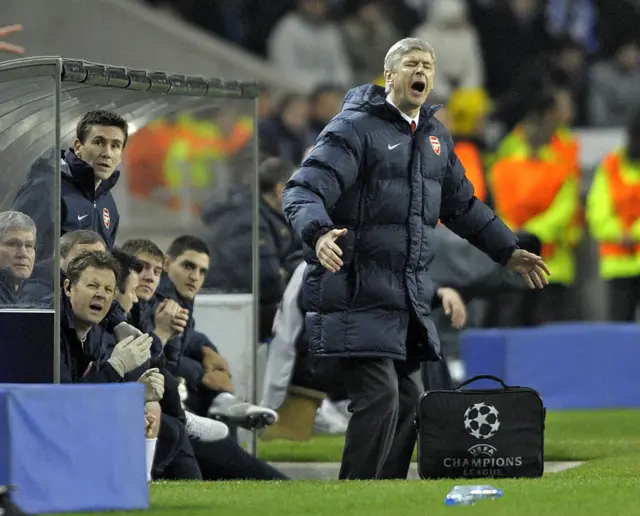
x,y
8,47
531,267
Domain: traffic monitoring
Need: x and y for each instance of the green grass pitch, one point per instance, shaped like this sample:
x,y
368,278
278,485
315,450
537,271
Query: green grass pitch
x,y
608,484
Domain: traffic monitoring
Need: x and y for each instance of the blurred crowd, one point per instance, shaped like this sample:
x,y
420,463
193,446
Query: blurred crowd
x,y
515,77
509,48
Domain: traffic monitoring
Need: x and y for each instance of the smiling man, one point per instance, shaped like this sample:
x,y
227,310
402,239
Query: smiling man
x,y
365,203
89,173
17,254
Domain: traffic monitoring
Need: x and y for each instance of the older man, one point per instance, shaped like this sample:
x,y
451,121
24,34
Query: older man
x,y
365,203
17,254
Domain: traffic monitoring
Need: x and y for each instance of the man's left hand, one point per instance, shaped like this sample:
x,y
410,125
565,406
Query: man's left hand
x,y
531,267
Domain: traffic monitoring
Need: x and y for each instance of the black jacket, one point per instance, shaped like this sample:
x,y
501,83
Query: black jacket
x,y
276,139
82,362
229,222
38,290
369,174
8,295
83,207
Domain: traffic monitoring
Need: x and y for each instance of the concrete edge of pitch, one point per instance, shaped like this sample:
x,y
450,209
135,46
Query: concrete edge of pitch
x,y
329,470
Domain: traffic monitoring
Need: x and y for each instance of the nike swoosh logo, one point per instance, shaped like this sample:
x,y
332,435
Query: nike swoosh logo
x,y
391,147
83,217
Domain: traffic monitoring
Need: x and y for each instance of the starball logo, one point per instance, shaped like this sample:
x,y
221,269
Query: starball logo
x,y
482,422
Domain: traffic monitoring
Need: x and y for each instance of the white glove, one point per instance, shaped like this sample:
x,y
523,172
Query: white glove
x,y
153,381
124,330
131,353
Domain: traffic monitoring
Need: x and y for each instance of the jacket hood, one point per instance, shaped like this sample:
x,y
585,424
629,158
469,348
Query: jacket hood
x,y
370,98
81,174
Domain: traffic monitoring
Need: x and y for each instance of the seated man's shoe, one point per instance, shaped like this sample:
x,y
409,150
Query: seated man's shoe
x,y
228,408
205,430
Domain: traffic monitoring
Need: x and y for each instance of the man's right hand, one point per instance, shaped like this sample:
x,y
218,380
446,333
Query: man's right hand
x,y
180,321
153,381
131,353
328,251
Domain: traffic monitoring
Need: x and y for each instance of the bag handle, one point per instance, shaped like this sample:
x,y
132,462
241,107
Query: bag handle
x,y
483,377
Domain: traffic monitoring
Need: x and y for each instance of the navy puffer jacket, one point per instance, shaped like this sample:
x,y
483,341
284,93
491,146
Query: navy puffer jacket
x,y
369,174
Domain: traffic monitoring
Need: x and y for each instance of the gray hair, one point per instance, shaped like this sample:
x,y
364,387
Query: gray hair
x,y
16,221
402,48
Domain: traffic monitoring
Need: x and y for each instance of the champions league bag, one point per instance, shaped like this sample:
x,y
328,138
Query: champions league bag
x,y
480,433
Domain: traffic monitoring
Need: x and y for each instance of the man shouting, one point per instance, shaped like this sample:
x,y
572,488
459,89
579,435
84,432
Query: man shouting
x,y
365,203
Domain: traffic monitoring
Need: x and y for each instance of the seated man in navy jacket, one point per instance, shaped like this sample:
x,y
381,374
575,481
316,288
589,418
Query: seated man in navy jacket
x,y
218,459
126,299
191,355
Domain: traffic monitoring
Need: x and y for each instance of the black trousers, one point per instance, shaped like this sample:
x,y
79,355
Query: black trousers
x,y
174,459
623,298
381,434
170,402
180,458
227,460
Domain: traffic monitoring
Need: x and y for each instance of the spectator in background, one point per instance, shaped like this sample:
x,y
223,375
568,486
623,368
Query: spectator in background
x,y
564,67
614,86
368,33
575,19
536,186
89,172
613,213
265,101
17,254
325,103
8,47
285,133
229,220
466,121
307,45
511,32
455,41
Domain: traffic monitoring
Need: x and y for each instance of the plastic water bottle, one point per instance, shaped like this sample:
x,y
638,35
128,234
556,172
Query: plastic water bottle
x,y
468,495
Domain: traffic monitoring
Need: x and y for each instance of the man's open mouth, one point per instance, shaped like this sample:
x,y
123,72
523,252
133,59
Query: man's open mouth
x,y
418,86
96,307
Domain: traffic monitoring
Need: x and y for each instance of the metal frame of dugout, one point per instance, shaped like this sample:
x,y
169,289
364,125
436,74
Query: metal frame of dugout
x,y
177,92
